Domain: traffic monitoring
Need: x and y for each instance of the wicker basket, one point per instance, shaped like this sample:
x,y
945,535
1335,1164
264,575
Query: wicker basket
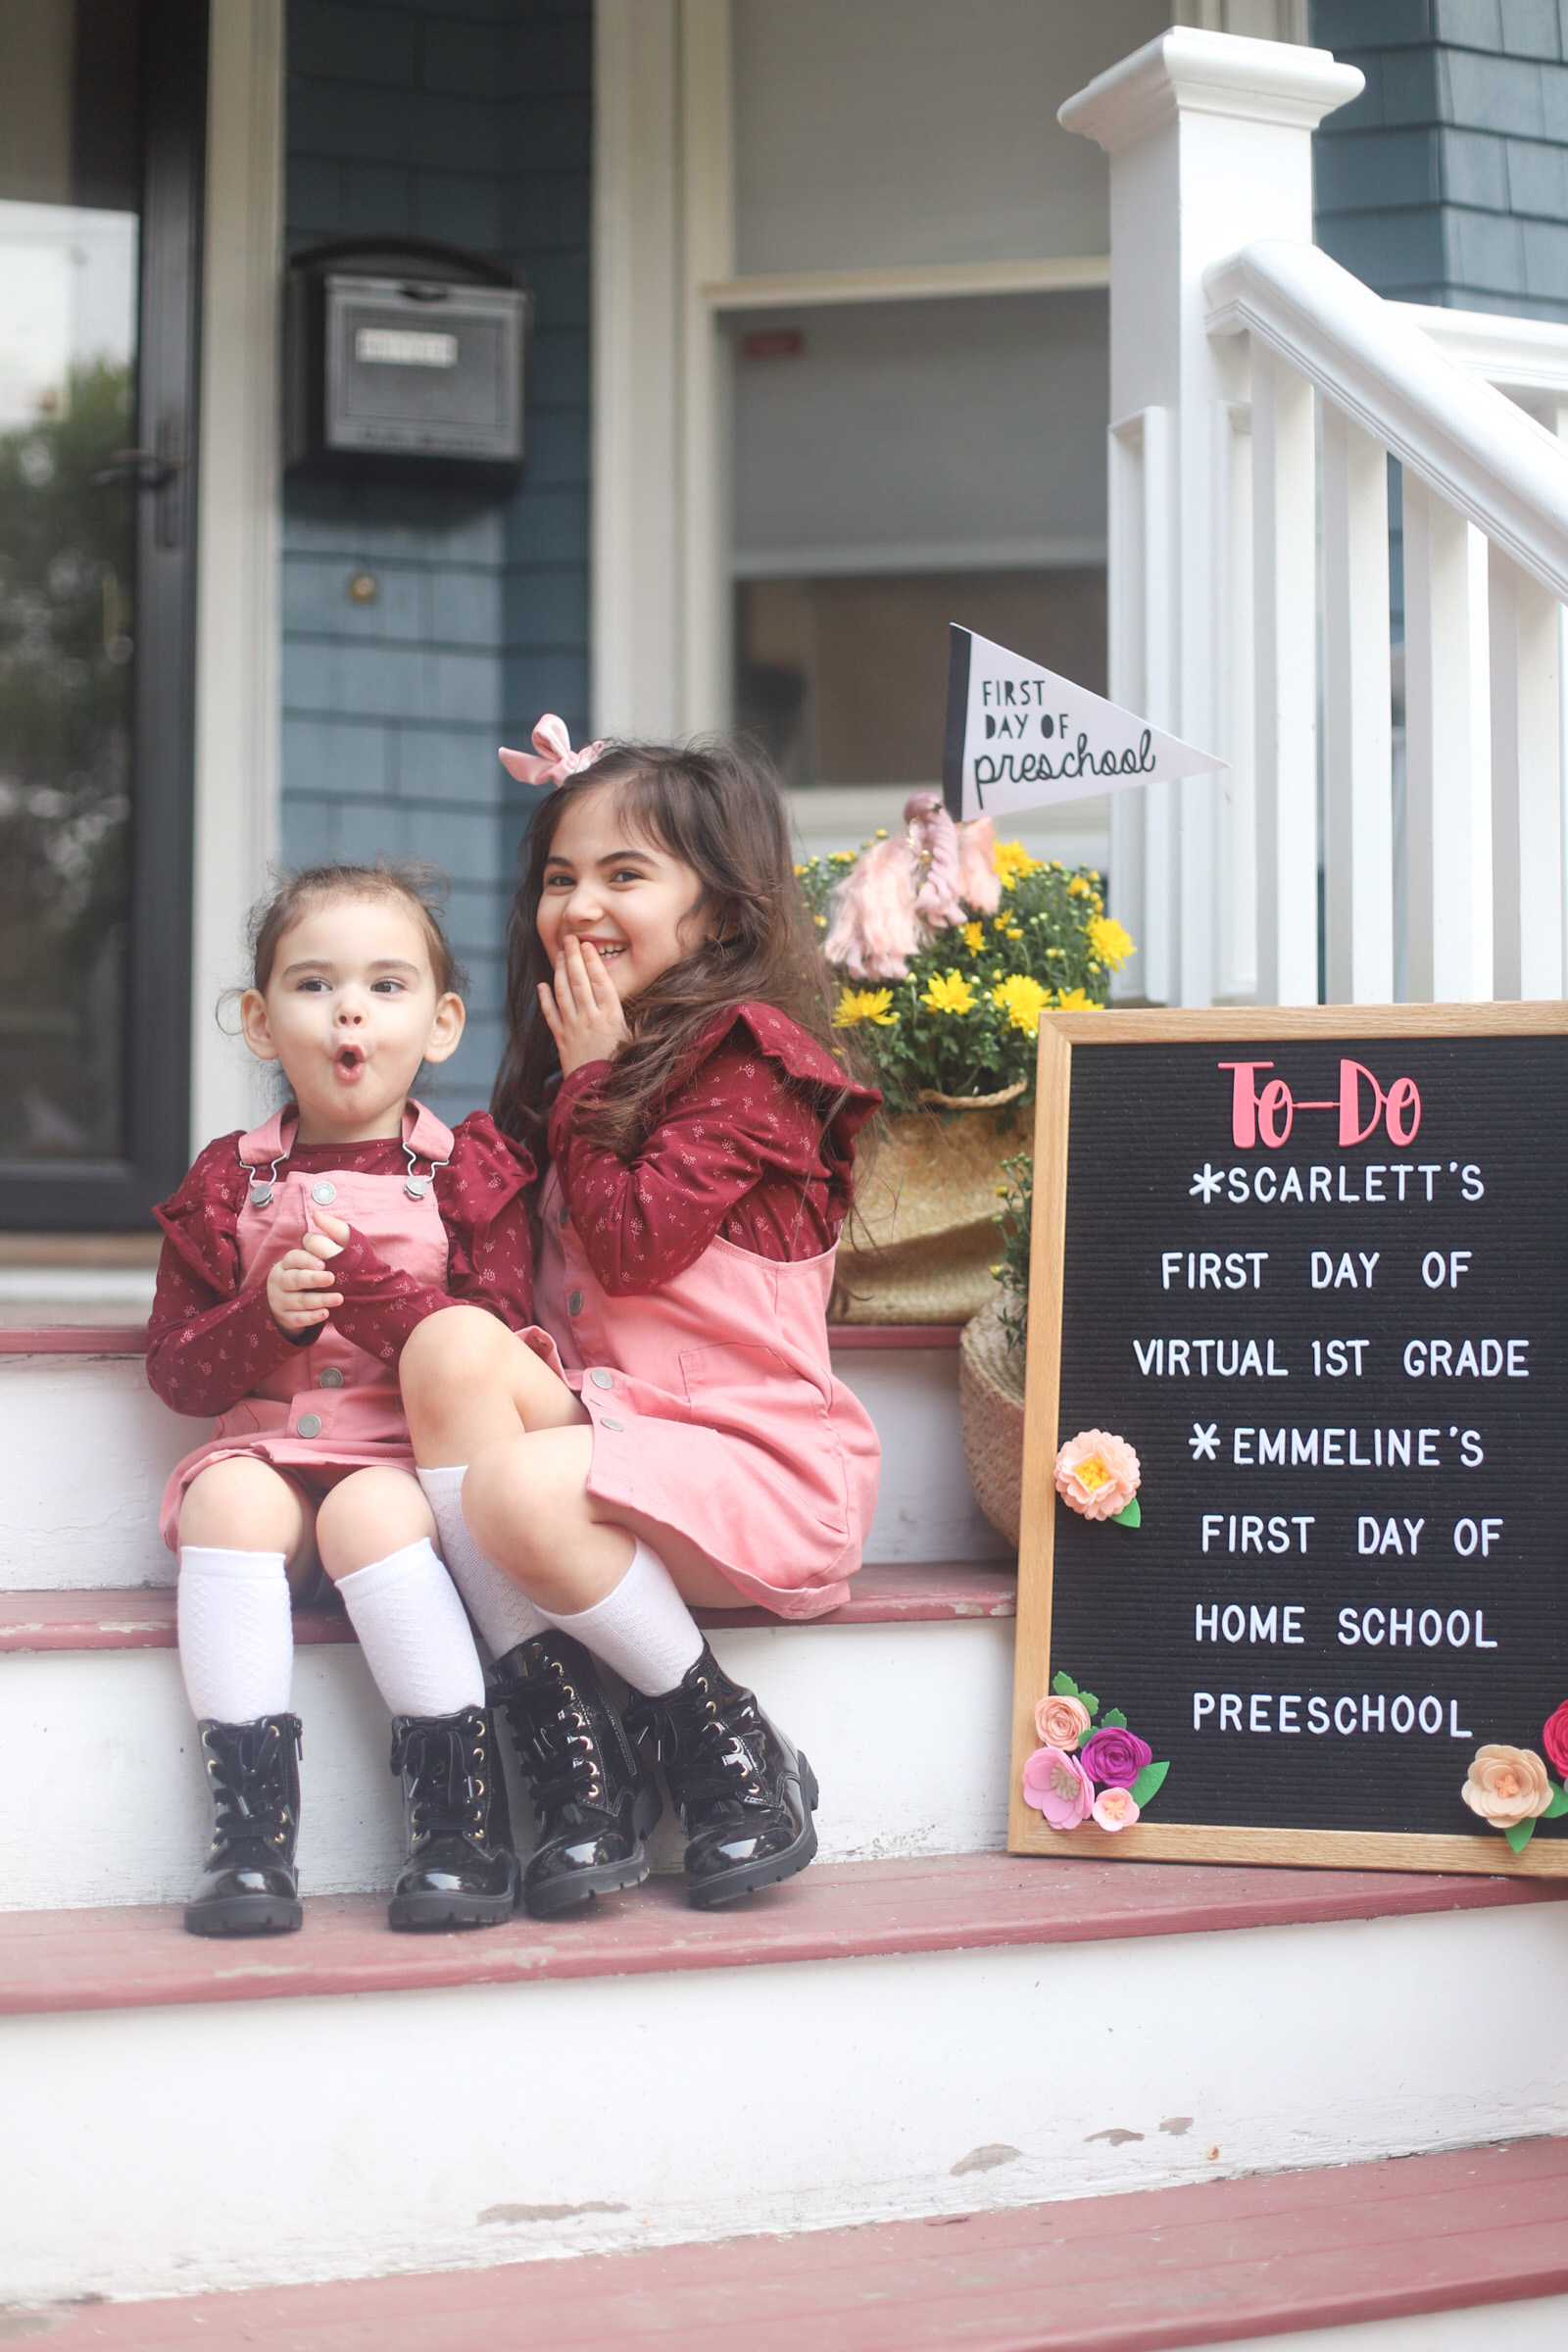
x,y
991,1415
923,1240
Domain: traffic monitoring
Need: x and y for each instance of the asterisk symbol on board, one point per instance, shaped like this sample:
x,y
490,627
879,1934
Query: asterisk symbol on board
x,y
1204,1443
1208,1183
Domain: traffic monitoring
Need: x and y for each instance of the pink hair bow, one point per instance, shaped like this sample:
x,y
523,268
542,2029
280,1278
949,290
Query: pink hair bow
x,y
556,761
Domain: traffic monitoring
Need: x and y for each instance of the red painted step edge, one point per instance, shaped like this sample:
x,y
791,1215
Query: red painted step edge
x,y
141,1958
1149,2271
145,1620
131,1339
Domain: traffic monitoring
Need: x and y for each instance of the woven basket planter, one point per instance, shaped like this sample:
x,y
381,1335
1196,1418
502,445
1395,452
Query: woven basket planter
x,y
923,1238
991,1415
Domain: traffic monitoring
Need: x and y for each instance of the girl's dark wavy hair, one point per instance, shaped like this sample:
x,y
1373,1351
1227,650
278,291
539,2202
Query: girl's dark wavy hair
x,y
720,810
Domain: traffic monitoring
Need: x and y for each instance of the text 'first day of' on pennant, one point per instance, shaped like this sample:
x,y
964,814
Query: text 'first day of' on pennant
x,y
1021,737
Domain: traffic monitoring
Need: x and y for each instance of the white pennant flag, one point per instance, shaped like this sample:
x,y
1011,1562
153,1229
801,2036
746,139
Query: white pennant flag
x,y
1020,737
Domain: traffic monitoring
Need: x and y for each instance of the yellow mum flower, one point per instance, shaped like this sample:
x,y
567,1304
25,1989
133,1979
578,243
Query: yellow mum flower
x,y
1077,888
1110,943
974,938
1014,861
1073,1000
1023,1000
952,993
1012,934
856,1004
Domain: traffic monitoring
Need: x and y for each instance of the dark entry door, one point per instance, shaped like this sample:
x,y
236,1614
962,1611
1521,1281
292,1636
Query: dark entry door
x,y
102,112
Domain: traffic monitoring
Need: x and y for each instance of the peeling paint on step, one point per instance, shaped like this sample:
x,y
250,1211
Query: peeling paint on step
x,y
986,2159
510,2213
1116,2136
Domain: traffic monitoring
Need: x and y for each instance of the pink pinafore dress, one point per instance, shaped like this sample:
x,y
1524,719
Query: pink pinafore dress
x,y
715,1412
329,1407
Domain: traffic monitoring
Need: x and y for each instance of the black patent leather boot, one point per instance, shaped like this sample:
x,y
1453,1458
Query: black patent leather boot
x,y
460,1871
250,1886
744,1795
596,1803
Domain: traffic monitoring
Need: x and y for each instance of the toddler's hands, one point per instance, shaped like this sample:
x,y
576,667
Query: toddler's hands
x,y
295,1290
583,1010
330,1237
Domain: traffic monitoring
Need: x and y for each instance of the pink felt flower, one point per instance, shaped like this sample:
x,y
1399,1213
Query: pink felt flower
x,y
1058,1786
1115,1756
1553,1737
1113,1810
1061,1722
1097,1473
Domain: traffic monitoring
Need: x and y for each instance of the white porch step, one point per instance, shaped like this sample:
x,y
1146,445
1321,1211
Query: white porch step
x,y
902,1700
1397,2256
870,2044
86,1448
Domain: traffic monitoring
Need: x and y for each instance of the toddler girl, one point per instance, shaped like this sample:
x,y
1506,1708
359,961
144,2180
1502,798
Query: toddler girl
x,y
296,1263
670,1050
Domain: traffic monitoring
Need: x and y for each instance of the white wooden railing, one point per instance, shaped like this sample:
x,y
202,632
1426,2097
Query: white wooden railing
x,y
1257,392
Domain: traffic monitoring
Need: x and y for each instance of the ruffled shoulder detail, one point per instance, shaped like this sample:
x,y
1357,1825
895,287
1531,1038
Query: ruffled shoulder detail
x,y
797,1053
488,1169
200,1220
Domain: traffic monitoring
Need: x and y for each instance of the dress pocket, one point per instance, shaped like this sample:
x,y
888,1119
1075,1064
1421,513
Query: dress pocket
x,y
756,1395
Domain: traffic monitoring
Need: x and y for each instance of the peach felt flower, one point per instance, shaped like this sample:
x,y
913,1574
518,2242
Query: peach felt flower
x,y
1506,1786
1058,1786
1097,1473
1113,1810
1061,1722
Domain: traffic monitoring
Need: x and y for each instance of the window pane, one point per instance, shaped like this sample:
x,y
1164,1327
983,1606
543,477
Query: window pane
x,y
68,241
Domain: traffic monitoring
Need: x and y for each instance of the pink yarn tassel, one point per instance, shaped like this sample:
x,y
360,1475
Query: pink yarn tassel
x,y
874,928
934,837
979,884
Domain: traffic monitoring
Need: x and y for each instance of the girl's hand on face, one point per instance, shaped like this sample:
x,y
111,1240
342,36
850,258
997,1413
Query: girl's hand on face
x,y
294,1292
583,1010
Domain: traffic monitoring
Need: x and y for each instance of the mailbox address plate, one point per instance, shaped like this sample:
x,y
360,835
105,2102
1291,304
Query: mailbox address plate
x,y
427,369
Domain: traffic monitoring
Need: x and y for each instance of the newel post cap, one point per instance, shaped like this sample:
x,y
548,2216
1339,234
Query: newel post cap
x,y
1186,71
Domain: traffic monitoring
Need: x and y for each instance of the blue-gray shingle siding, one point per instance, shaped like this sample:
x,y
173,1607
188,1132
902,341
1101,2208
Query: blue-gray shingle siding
x,y
1447,181
466,120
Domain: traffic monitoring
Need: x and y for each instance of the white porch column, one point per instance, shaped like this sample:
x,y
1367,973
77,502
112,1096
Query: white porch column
x,y
238,621
1209,139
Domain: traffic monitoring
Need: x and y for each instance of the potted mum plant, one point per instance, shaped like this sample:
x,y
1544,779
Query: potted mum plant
x,y
947,947
991,1363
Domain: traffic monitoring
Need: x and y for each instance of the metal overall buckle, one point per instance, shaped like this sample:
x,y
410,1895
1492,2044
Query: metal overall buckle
x,y
415,1185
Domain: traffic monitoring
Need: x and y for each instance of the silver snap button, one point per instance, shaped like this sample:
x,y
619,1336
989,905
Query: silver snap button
x,y
607,1423
309,1425
602,1379
260,1195
332,1378
323,1192
574,1303
565,1217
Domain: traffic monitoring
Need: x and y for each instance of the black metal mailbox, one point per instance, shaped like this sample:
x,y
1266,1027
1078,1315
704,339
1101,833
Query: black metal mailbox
x,y
406,359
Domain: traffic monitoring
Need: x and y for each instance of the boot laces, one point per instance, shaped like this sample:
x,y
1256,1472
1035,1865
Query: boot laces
x,y
727,1768
245,1774
556,1747
440,1759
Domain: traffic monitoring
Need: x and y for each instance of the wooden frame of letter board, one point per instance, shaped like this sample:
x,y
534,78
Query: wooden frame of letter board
x,y
1061,1034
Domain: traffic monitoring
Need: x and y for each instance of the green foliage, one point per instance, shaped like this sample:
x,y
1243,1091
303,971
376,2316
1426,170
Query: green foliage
x,y
945,1030
1012,1266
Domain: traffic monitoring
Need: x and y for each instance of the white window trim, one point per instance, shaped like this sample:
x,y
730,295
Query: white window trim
x,y
239,530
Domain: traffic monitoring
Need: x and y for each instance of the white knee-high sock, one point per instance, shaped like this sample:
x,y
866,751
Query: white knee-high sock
x,y
415,1636
644,1629
503,1615
236,1641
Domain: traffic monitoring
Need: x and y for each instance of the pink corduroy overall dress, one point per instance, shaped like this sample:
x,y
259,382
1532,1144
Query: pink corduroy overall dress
x,y
329,1407
717,1414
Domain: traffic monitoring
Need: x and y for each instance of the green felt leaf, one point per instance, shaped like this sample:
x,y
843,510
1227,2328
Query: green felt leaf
x,y
1085,1735
1520,1835
1091,1702
1559,1802
1113,1715
1148,1783
1132,1516
1064,1686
